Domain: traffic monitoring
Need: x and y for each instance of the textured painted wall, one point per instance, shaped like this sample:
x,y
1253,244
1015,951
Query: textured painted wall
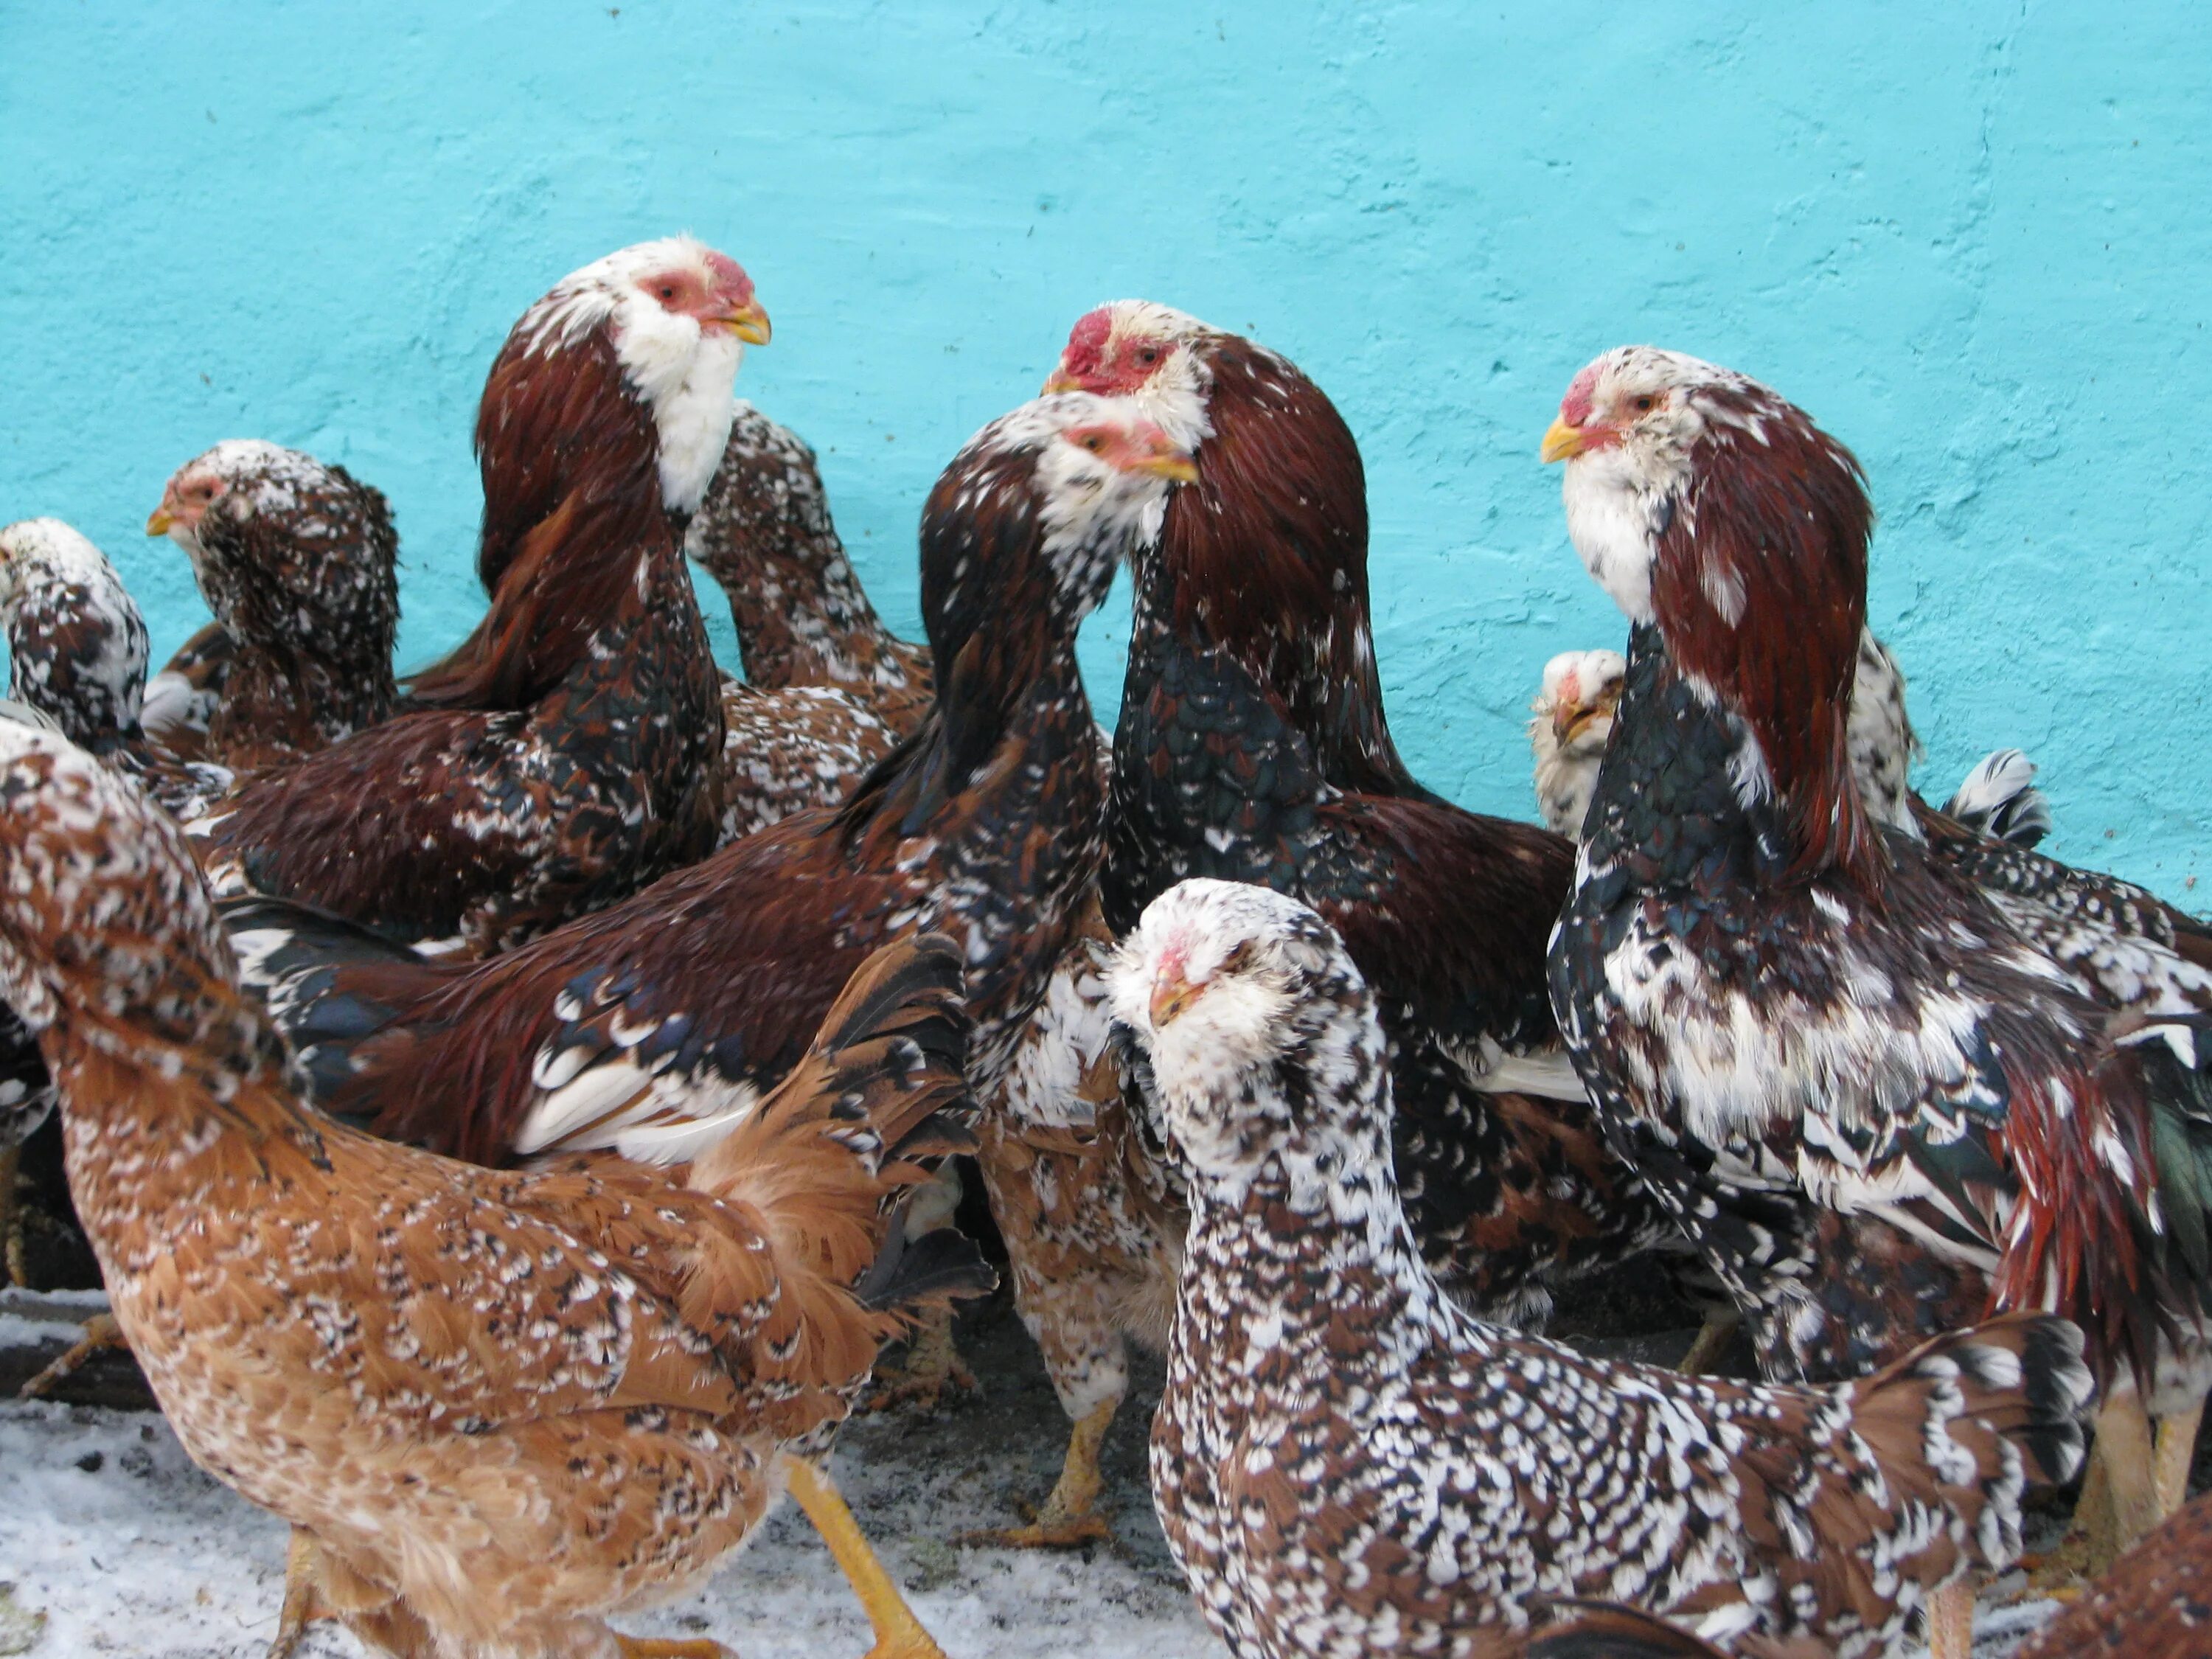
x,y
1971,238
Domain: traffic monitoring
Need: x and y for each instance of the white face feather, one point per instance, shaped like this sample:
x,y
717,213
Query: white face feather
x,y
1260,976
686,374
1619,491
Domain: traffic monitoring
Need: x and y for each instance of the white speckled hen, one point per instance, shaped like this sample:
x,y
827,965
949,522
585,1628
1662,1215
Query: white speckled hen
x,y
1345,1461
562,756
1879,1107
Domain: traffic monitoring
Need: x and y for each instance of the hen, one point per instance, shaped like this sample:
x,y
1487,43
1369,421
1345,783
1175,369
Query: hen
x,y
1346,1461
557,759
2155,1603
76,649
1253,745
653,1026
1879,1109
828,689
495,1407
298,561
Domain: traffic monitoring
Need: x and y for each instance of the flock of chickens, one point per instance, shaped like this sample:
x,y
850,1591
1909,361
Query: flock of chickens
x,y
513,1106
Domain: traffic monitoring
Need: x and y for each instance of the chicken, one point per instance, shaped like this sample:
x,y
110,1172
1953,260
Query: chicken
x,y
1574,713
828,689
495,1407
298,561
1346,1461
555,761
1572,717
650,1028
76,649
1878,1107
1253,745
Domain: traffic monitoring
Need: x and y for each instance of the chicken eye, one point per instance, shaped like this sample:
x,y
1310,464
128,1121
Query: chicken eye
x,y
1643,404
1148,354
1094,443
668,290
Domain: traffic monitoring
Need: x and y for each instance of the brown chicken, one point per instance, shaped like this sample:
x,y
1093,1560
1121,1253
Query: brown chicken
x,y
496,1405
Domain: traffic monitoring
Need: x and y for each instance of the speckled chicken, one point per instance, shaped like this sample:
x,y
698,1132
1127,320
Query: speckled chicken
x,y
1346,1461
1252,745
1877,1104
828,689
298,561
562,756
495,1407
652,1026
76,649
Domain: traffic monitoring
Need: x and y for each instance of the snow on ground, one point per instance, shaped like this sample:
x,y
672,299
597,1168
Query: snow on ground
x,y
108,1531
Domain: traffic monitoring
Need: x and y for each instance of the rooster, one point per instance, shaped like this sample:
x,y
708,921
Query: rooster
x,y
828,689
297,561
494,1407
1253,746
1344,1462
652,1027
1877,1107
555,760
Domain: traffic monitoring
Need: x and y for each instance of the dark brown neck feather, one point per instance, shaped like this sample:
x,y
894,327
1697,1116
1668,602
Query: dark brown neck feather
x,y
1266,555
572,501
1759,590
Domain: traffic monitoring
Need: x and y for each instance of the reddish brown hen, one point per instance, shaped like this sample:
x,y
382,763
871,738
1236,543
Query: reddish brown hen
x,y
653,1026
495,1406
559,758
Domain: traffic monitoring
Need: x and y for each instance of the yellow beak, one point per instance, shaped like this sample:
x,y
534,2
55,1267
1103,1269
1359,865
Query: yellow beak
x,y
1562,442
749,324
1060,381
1175,464
1171,995
158,521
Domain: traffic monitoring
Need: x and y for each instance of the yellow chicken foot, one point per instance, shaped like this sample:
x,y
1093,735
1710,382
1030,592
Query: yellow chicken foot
x,y
899,1634
1070,1515
1951,1621
303,1600
2131,1459
932,1364
655,1647
12,1270
1712,1341
100,1331
2177,1452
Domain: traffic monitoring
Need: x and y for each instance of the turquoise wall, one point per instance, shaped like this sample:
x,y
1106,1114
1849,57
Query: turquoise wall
x,y
1971,237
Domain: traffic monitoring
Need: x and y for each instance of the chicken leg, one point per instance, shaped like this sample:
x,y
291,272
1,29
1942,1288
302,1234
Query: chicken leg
x,y
2177,1452
1070,1515
899,1634
101,1332
12,1270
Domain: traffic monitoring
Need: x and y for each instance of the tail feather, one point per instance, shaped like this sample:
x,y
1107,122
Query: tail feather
x,y
819,1169
1999,799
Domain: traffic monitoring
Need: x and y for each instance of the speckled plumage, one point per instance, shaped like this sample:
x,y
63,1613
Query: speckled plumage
x,y
500,1405
76,648
2155,1604
828,689
298,561
1253,746
1345,1460
651,1025
1878,1108
562,756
